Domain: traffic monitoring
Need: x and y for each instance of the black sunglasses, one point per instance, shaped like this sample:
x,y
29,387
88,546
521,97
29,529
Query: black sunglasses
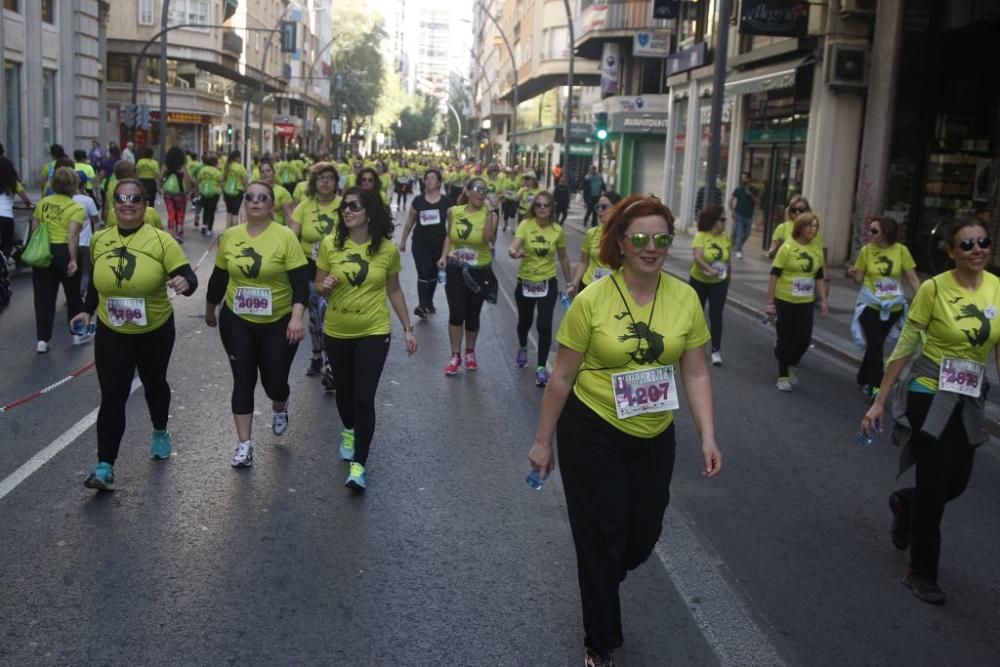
x,y
660,240
968,244
603,207
542,204
259,198
354,206
129,199
478,189
798,209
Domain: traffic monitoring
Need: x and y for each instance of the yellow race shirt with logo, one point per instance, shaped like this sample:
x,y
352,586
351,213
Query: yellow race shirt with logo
x,y
467,236
135,266
358,305
592,247
541,246
56,212
716,249
960,324
147,168
317,221
281,199
884,268
260,261
599,325
799,265
234,179
783,232
209,181
299,193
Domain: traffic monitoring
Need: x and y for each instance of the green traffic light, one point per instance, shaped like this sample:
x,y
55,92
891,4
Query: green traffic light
x,y
602,134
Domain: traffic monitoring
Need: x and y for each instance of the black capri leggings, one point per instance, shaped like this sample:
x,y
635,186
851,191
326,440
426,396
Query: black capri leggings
x,y
118,356
794,326
357,368
425,256
525,314
208,206
45,283
252,346
150,186
715,294
464,305
233,203
876,331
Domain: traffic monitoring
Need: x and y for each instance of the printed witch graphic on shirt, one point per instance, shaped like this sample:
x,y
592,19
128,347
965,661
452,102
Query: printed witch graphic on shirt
x,y
806,261
464,226
256,260
324,223
886,265
976,337
542,249
716,251
124,264
649,345
356,279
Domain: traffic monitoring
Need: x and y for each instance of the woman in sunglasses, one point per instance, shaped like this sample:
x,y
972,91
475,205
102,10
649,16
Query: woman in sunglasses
x,y
282,203
466,256
590,267
369,179
610,403
262,281
358,268
797,205
132,264
538,242
710,270
880,267
939,405
316,217
526,195
426,219
796,275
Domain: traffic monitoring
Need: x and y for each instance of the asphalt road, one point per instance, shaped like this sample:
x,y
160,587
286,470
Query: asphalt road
x,y
450,558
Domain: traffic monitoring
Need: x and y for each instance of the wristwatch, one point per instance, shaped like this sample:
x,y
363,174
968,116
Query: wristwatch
x,y
408,328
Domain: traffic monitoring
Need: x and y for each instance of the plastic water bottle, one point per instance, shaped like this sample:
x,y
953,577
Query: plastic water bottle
x,y
80,329
535,480
442,277
565,300
864,440
765,321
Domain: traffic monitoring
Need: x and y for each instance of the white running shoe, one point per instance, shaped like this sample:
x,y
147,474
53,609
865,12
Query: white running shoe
x,y
792,377
279,422
42,347
739,254
784,384
716,359
243,458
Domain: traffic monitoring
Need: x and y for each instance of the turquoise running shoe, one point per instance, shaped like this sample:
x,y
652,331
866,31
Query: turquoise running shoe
x,y
102,479
161,445
347,444
356,480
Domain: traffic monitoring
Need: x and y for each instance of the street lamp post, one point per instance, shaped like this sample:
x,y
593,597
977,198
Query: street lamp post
x,y
513,68
458,143
163,77
569,86
718,94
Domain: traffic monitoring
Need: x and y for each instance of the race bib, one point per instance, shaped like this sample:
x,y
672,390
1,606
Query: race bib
x,y
640,392
600,273
252,301
803,286
961,376
887,288
534,290
431,216
467,256
721,267
122,311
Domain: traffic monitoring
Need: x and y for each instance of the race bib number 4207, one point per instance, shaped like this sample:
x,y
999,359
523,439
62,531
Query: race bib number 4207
x,y
649,390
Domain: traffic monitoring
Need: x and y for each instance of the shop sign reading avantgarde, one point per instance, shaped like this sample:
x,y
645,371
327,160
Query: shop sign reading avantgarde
x,y
775,18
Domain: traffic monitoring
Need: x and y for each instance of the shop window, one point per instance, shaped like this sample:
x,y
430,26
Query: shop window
x,y
146,12
48,107
48,11
11,5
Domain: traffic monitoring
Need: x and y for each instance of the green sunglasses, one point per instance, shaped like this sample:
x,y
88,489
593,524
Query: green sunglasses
x,y
641,239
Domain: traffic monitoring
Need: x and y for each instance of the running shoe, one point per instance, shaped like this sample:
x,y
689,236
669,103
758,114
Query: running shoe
x,y
82,339
327,380
924,588
793,379
315,366
784,384
179,239
716,359
454,363
739,254
347,444
102,479
430,309
541,376
420,312
279,421
243,457
594,659
900,531
470,360
522,357
161,445
42,347
356,480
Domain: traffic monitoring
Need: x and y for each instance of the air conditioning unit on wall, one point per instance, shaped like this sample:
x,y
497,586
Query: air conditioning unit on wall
x,y
847,66
858,6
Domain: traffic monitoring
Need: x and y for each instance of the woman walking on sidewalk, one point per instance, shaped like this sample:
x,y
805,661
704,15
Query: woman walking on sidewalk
x,y
610,404
796,276
880,266
590,267
939,406
711,270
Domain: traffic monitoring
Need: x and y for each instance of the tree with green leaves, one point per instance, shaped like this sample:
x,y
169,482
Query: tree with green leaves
x,y
417,121
359,65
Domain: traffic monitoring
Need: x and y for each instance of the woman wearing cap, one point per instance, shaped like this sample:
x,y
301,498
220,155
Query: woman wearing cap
x,y
590,267
610,403
426,219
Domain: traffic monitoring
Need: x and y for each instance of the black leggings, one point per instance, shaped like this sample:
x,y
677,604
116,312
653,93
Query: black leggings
x,y
208,206
357,367
426,253
944,466
715,294
6,236
794,326
252,346
617,489
525,314
464,305
117,356
46,288
233,203
150,186
872,365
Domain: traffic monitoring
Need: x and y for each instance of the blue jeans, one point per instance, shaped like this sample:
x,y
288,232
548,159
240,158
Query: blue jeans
x,y
741,230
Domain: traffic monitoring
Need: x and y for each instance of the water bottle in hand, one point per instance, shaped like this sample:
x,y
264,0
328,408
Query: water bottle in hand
x,y
565,300
442,277
535,480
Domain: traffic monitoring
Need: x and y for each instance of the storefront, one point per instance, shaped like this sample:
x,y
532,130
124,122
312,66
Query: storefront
x,y
184,129
637,127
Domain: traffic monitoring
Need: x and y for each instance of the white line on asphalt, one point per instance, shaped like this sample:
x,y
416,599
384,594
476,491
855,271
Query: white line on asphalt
x,y
719,611
13,480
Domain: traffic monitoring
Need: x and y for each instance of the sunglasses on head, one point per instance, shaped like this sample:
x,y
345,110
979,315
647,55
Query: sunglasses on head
x,y
354,206
258,198
479,189
641,239
122,198
968,244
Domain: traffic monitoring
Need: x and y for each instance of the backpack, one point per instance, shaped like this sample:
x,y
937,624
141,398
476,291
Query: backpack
x,y
172,184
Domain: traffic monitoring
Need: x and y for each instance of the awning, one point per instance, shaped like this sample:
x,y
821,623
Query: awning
x,y
765,78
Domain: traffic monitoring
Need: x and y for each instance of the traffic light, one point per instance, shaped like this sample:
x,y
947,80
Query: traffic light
x,y
601,125
229,130
142,117
129,113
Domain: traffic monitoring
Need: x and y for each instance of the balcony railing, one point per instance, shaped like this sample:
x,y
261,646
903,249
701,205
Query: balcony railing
x,y
620,15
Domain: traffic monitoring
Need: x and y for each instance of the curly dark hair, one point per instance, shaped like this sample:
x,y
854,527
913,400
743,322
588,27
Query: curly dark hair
x,y
708,216
379,221
8,177
175,159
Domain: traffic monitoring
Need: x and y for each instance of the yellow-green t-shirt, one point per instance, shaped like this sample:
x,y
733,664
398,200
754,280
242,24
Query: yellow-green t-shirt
x,y
783,232
591,245
541,246
260,261
884,268
526,197
286,172
147,168
716,249
281,199
960,324
299,193
235,178
467,236
56,212
317,221
209,181
598,324
358,305
136,266
798,266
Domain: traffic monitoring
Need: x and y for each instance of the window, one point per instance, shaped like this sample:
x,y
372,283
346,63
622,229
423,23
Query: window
x,y
11,5
198,12
48,11
48,107
146,13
